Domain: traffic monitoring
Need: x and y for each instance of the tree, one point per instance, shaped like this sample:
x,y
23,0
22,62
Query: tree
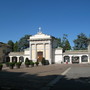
x,y
11,44
16,46
23,43
65,43
81,42
59,44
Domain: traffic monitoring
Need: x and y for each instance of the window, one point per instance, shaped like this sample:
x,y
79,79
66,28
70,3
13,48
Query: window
x,y
66,58
84,58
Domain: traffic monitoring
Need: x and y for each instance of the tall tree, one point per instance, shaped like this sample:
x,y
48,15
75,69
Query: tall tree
x,y
59,44
16,46
65,43
11,44
81,42
23,43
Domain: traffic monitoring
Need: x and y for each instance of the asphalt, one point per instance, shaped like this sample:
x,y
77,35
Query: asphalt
x,y
77,78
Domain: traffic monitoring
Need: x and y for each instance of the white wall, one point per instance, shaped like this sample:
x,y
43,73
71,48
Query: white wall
x,y
26,52
58,55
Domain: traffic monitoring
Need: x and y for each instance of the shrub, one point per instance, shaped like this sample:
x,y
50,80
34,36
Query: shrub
x,y
18,64
37,63
7,64
11,65
27,63
1,65
32,64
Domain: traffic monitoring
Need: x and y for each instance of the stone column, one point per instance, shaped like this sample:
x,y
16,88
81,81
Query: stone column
x,y
50,53
80,59
10,58
44,53
89,49
35,52
30,51
17,58
70,59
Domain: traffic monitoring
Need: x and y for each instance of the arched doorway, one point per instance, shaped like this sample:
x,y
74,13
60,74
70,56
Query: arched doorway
x,y
21,59
75,59
66,58
39,56
84,58
14,59
7,59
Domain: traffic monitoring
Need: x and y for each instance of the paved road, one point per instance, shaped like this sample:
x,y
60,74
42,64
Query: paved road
x,y
77,78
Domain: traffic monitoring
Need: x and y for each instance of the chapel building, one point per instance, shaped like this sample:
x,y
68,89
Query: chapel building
x,y
44,46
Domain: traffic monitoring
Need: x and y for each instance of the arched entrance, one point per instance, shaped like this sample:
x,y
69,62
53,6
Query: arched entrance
x,y
21,59
39,56
14,59
66,58
7,59
84,58
75,59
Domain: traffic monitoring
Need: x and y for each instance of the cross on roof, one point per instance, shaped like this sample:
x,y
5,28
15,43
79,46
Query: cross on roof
x,y
39,30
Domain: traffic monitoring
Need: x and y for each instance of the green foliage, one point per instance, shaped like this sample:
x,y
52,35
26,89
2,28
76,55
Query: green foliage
x,y
19,45
23,43
1,65
65,43
81,42
16,46
11,63
27,62
11,44
32,63
7,64
59,42
36,62
18,63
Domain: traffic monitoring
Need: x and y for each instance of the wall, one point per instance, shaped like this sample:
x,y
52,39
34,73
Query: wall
x,y
57,55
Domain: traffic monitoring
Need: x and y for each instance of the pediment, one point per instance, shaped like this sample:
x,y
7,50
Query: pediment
x,y
40,35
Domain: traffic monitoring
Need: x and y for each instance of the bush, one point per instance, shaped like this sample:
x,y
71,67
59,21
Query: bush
x,y
27,60
11,65
19,63
43,61
37,63
27,63
32,64
1,65
7,64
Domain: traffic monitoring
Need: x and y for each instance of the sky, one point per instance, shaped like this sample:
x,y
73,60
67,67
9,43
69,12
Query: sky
x,y
55,17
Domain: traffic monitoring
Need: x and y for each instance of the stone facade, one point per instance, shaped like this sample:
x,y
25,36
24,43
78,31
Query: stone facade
x,y
44,46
